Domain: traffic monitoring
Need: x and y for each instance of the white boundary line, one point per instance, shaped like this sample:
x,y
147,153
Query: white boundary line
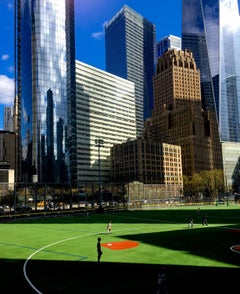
x,y
61,241
232,248
49,245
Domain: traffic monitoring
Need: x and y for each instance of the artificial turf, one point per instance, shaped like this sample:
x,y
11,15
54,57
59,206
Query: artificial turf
x,y
58,254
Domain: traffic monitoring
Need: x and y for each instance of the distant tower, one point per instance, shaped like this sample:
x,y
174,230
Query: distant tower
x,y
211,30
178,117
130,41
8,119
169,42
45,59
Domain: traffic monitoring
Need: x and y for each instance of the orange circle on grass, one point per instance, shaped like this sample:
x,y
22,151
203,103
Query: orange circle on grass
x,y
120,245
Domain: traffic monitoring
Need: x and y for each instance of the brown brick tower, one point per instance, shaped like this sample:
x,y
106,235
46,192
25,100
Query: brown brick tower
x,y
178,117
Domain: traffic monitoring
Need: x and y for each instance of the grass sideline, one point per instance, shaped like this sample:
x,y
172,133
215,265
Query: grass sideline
x,y
58,255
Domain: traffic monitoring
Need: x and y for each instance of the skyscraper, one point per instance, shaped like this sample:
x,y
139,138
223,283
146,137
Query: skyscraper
x,y
106,111
130,42
45,87
178,117
211,30
168,42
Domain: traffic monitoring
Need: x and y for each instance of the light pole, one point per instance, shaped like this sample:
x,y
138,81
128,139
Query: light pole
x,y
99,143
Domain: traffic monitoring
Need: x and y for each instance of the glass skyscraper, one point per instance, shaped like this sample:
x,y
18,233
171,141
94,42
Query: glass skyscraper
x,y
211,30
130,44
45,87
168,42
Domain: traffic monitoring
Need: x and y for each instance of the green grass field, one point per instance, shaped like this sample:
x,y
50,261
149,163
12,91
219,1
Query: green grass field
x,y
59,255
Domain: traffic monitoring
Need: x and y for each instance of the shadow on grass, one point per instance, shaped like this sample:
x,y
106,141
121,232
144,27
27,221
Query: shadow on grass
x,y
212,243
88,277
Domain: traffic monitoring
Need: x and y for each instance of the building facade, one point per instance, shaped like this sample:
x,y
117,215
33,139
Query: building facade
x,y
7,148
148,162
45,90
211,30
231,163
106,113
178,117
168,42
130,44
7,180
8,119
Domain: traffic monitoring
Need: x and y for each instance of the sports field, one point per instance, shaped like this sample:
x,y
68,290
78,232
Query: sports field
x,y
59,254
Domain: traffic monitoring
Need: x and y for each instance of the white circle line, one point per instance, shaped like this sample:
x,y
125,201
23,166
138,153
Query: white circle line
x,y
232,248
42,248
61,241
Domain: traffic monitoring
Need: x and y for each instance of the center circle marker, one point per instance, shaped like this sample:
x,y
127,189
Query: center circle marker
x,y
121,245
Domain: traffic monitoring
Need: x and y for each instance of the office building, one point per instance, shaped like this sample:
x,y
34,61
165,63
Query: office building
x,y
8,119
7,180
147,161
130,44
231,163
7,148
105,116
45,90
178,117
7,162
211,30
168,42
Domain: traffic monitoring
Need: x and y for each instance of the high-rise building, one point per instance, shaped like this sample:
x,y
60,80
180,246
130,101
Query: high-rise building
x,y
211,30
106,114
178,117
8,119
168,42
7,148
130,44
45,89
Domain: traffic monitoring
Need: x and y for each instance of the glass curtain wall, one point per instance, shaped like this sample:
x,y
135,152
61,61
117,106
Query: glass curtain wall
x,y
130,42
45,73
211,30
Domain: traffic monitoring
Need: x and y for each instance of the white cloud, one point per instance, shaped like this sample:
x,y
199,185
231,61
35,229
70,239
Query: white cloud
x,y
10,6
6,90
97,35
11,69
5,57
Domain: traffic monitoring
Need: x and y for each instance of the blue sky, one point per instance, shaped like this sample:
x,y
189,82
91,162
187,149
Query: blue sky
x,y
90,16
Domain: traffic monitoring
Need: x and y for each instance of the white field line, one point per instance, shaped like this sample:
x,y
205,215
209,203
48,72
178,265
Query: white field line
x,y
76,237
232,248
61,241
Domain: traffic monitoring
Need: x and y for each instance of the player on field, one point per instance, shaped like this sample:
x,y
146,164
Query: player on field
x,y
99,249
109,227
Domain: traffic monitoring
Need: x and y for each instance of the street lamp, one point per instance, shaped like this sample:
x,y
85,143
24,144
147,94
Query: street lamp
x,y
99,143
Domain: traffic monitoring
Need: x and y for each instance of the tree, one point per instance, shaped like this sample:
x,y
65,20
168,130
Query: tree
x,y
209,183
213,182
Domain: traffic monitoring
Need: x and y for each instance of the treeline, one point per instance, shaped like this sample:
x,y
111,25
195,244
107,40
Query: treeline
x,y
204,184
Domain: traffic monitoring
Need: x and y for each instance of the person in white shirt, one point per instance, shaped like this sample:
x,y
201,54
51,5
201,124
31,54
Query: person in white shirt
x,y
109,227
